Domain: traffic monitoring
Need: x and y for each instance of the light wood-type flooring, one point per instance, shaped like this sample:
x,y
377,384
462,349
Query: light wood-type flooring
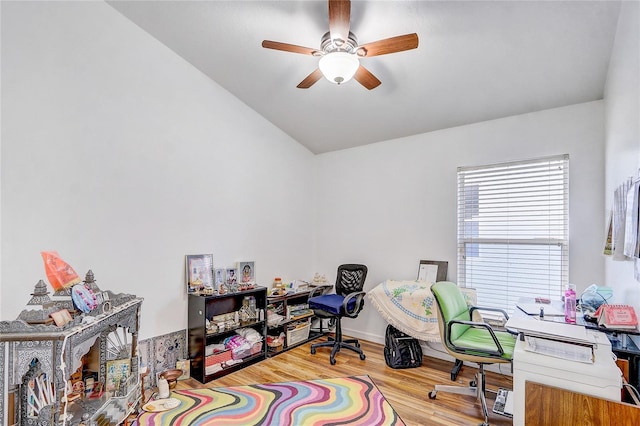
x,y
406,390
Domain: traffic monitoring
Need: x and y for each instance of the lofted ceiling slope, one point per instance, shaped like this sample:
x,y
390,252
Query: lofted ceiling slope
x,y
476,61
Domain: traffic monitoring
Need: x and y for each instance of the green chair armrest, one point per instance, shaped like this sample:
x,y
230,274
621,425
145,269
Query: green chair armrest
x,y
498,351
481,308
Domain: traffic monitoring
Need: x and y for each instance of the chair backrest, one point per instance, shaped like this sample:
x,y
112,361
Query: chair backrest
x,y
451,306
350,278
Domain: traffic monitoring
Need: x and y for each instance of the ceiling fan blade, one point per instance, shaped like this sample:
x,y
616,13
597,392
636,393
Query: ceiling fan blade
x,y
268,44
339,17
310,80
364,77
389,45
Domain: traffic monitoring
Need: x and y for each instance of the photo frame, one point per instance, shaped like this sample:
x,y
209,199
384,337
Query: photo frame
x,y
432,270
246,272
219,277
199,272
118,371
232,277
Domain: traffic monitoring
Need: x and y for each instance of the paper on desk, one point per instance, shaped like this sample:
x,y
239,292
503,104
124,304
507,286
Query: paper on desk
x,y
551,330
534,309
559,349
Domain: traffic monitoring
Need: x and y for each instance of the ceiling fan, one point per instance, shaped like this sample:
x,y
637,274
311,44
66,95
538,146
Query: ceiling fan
x,y
339,51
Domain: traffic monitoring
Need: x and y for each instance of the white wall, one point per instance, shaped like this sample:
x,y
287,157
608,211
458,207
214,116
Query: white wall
x,y
390,204
622,130
124,158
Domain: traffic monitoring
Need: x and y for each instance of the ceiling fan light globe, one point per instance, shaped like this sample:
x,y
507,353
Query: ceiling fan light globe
x,y
339,67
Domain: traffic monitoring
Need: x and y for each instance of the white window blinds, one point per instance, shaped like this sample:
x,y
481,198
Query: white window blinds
x,y
513,230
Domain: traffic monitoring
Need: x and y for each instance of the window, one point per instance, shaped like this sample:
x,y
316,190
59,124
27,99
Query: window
x,y
513,230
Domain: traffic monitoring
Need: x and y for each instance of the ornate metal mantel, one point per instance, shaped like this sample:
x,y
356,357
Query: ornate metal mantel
x,y
23,345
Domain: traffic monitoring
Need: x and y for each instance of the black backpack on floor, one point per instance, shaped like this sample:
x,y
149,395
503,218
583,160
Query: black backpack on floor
x,y
401,350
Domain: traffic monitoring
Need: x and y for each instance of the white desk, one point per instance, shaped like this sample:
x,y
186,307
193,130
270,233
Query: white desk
x,y
602,378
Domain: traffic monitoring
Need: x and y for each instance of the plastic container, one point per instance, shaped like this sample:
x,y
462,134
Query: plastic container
x,y
218,358
570,304
163,388
253,312
298,334
254,349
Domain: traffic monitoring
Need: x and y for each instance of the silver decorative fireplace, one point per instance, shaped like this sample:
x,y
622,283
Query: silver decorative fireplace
x,y
41,363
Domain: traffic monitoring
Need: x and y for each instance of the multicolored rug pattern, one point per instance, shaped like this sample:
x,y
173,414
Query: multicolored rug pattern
x,y
342,401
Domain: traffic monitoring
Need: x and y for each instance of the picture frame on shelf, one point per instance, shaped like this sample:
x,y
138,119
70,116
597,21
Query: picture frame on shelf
x,y
232,278
432,270
220,277
118,371
199,269
185,366
247,272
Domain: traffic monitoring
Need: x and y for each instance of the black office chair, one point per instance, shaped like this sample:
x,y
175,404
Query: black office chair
x,y
347,301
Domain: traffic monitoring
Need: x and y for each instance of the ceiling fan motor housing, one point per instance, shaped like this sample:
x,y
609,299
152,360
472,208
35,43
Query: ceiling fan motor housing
x,y
338,45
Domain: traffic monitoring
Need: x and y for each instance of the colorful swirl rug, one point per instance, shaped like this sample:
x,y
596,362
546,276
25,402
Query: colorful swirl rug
x,y
342,401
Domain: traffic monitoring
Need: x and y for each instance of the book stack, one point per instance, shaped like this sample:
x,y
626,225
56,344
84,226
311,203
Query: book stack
x,y
299,311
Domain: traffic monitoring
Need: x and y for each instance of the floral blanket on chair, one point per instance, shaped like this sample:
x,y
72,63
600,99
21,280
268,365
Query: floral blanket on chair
x,y
409,306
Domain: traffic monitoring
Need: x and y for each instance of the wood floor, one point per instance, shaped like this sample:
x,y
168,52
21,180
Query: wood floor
x,y
406,390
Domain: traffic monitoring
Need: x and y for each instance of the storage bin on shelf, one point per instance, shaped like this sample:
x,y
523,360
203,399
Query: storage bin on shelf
x,y
218,358
298,332
255,349
275,343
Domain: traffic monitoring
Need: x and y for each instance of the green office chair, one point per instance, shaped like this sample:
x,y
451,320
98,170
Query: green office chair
x,y
467,340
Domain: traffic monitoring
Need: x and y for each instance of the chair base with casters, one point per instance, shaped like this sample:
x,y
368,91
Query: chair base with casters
x,y
348,301
470,341
476,388
337,343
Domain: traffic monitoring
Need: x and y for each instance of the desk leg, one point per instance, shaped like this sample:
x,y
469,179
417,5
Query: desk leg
x,y
456,369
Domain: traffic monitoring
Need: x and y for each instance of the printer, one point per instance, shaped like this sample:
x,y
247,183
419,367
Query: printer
x,y
555,355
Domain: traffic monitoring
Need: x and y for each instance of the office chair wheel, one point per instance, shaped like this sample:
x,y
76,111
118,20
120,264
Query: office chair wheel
x,y
473,383
313,350
362,357
432,394
332,361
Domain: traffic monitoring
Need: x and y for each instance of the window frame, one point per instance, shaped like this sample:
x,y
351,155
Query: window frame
x,y
519,189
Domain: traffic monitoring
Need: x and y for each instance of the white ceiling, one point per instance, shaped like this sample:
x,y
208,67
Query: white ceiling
x,y
476,61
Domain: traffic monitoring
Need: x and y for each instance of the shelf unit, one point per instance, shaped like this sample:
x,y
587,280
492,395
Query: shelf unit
x,y
282,305
203,308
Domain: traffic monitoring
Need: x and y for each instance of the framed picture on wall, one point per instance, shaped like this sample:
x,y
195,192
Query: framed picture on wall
x,y
432,270
199,272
